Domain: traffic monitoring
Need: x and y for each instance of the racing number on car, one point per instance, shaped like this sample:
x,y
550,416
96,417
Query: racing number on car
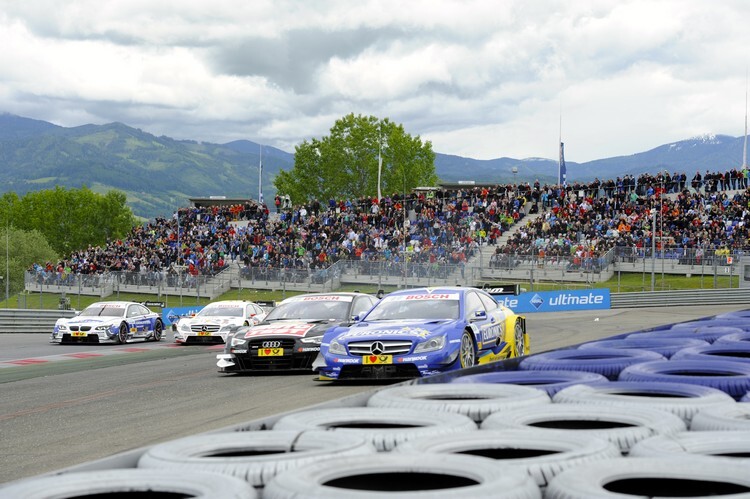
x,y
377,359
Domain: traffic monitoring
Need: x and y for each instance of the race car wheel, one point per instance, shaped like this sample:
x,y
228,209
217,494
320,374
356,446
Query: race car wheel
x,y
388,475
122,334
722,418
158,331
475,401
254,456
549,381
605,361
664,346
733,446
541,454
467,353
728,376
650,477
520,340
681,399
621,427
381,426
129,482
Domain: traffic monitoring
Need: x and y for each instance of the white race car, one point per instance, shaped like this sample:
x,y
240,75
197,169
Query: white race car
x,y
109,322
216,320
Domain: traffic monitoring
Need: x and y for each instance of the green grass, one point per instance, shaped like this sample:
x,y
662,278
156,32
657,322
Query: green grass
x,y
625,282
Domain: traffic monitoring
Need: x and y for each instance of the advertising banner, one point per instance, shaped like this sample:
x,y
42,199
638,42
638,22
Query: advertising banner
x,y
556,301
171,314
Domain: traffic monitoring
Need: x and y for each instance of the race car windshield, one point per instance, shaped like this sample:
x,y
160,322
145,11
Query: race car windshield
x,y
310,311
220,312
420,309
103,312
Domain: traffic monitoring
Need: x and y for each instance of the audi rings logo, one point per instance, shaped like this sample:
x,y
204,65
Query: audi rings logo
x,y
271,344
377,348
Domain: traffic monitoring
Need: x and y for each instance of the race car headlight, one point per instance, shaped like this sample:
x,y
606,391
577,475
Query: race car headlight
x,y
336,348
236,341
316,340
184,328
62,327
430,345
102,328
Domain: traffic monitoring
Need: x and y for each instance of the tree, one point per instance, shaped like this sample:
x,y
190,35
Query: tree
x,y
345,163
24,249
69,219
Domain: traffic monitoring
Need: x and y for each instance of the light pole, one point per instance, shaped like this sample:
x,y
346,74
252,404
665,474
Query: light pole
x,y
7,260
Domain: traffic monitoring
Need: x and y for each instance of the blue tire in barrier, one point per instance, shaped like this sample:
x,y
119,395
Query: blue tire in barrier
x,y
705,333
741,324
728,350
605,361
549,381
664,346
728,376
741,337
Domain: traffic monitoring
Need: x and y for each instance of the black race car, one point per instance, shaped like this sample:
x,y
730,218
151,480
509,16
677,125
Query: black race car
x,y
290,335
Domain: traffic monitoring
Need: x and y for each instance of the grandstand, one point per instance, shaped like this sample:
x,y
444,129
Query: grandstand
x,y
457,234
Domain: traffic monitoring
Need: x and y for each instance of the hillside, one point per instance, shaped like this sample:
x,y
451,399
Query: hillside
x,y
159,174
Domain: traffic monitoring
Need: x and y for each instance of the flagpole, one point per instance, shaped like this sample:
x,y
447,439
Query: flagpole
x,y
260,176
380,162
744,147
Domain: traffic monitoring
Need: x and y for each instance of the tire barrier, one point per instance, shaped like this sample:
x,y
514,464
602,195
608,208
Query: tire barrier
x,y
730,446
728,350
549,381
605,361
722,418
681,399
133,483
707,334
663,346
541,454
738,315
650,477
699,326
623,428
383,427
388,475
730,377
476,401
746,398
743,337
254,456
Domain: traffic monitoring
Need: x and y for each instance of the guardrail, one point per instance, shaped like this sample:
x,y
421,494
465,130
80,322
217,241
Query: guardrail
x,y
676,298
30,321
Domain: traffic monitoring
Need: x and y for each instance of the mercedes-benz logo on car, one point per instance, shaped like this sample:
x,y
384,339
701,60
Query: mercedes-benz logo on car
x,y
204,328
271,344
377,348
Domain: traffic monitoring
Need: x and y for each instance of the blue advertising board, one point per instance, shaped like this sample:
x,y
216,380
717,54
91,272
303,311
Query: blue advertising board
x,y
556,301
171,314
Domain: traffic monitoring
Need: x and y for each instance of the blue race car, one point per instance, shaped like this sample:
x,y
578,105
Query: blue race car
x,y
419,332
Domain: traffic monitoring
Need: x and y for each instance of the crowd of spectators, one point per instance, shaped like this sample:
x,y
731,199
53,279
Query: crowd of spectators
x,y
432,226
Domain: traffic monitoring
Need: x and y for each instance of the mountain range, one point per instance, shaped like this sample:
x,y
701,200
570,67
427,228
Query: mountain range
x,y
159,174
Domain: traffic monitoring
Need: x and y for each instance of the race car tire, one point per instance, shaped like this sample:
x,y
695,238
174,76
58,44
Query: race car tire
x,y
743,337
735,351
681,399
730,377
541,454
722,418
519,338
622,428
131,482
158,331
664,346
254,456
467,354
388,475
475,401
383,427
548,381
705,333
605,361
650,477
122,334
731,446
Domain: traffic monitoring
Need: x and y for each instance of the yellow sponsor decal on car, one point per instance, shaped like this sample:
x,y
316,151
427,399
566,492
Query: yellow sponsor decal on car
x,y
377,359
78,333
270,352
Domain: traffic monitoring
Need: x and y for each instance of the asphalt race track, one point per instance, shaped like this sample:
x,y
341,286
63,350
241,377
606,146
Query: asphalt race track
x,y
68,404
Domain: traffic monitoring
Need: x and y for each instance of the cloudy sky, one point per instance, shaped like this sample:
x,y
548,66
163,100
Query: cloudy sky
x,y
482,78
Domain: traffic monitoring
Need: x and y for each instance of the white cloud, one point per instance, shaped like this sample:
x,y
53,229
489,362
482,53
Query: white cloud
x,y
478,78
